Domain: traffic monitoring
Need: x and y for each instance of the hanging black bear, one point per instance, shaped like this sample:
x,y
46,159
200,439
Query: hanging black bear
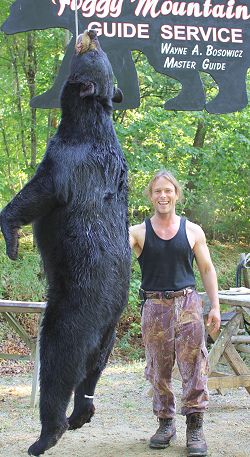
x,y
78,202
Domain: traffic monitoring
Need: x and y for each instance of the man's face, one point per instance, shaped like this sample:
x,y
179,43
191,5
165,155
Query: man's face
x,y
163,196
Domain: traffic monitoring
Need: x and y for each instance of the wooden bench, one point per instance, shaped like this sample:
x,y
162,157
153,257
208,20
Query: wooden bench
x,y
229,339
9,308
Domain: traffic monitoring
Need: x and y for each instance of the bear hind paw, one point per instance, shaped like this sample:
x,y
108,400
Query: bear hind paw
x,y
77,421
46,441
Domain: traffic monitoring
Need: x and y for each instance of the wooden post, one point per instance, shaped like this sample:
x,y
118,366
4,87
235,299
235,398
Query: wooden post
x,y
223,339
35,380
240,339
235,361
245,275
229,382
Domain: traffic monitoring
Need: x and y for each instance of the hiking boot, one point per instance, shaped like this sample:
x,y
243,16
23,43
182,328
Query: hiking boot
x,y
164,434
196,443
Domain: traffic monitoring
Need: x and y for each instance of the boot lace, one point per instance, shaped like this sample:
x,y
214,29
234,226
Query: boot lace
x,y
164,425
195,434
196,427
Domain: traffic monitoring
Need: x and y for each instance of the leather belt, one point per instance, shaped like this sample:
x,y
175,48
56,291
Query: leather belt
x,y
165,294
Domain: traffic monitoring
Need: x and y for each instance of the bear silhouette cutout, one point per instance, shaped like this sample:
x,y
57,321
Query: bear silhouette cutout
x,y
223,47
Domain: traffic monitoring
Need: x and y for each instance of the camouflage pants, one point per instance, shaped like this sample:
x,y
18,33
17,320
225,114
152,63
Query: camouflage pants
x,y
174,329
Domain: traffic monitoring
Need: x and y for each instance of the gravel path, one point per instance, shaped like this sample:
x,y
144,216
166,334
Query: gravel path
x,y
123,422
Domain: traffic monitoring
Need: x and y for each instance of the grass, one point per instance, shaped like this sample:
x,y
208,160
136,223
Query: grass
x,y
225,257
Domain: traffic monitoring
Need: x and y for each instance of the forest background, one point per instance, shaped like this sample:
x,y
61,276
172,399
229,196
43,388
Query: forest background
x,y
209,154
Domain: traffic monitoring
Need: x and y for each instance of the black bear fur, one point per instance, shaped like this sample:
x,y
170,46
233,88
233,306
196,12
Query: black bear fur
x,y
77,201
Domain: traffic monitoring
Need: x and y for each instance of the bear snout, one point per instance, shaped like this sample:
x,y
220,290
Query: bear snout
x,y
86,42
92,34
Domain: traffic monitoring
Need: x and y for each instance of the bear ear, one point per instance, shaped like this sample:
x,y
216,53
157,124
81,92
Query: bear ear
x,y
87,88
118,95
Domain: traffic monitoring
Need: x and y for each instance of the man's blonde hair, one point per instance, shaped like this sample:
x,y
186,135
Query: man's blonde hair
x,y
170,177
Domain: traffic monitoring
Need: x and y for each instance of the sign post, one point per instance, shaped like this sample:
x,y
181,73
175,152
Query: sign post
x,y
179,38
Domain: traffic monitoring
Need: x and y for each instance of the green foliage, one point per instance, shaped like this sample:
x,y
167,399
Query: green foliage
x,y
19,125
225,257
22,279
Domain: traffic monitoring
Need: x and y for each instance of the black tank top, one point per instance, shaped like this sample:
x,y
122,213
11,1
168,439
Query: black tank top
x,y
166,264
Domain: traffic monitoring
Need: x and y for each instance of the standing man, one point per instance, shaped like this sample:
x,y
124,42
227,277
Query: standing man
x,y
172,319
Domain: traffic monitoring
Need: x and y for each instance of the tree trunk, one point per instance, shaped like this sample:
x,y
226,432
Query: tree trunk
x,y
13,52
6,145
30,71
195,165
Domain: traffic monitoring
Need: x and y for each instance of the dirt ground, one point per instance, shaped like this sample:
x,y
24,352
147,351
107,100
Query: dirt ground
x,y
123,421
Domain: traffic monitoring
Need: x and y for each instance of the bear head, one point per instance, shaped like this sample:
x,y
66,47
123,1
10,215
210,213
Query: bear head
x,y
91,72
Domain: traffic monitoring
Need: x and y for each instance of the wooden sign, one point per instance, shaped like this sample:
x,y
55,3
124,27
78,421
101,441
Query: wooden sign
x,y
179,38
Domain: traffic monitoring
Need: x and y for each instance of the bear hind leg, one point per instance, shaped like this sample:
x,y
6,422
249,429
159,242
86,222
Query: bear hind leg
x,y
232,95
192,96
58,378
53,405
83,400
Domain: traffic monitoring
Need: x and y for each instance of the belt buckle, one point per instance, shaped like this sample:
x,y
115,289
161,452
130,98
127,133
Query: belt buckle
x,y
168,294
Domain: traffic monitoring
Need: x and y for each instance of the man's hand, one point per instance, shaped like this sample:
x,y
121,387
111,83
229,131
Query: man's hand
x,y
213,320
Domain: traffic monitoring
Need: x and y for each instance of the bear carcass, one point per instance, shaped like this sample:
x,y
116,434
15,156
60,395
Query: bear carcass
x,y
77,201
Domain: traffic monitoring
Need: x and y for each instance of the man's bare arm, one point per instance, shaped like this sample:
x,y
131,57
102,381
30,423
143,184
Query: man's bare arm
x,y
208,276
137,238
132,239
